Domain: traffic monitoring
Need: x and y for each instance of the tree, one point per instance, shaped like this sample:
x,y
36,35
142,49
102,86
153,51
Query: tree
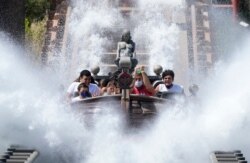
x,y
35,10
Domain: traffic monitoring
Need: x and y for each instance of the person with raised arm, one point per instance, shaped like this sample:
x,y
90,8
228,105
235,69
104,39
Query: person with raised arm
x,y
142,84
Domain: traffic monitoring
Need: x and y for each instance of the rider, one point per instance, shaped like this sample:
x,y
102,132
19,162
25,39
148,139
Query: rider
x,y
142,85
83,91
110,89
85,77
168,86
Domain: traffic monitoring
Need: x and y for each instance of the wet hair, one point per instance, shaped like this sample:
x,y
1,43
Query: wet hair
x,y
83,73
82,85
103,82
168,72
125,34
111,82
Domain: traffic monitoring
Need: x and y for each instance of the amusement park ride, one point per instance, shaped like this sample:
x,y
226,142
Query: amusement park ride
x,y
136,108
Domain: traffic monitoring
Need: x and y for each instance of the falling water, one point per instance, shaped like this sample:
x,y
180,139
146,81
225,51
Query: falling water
x,y
33,112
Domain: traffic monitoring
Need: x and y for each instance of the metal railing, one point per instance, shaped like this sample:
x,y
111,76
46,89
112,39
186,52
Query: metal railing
x,y
16,154
227,157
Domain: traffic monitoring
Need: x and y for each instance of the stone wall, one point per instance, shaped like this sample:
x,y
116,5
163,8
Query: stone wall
x,y
54,33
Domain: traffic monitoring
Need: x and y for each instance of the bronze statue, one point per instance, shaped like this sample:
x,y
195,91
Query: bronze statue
x,y
126,48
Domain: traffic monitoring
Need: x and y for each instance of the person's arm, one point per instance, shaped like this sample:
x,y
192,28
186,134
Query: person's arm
x,y
146,81
133,81
97,91
103,90
76,99
157,89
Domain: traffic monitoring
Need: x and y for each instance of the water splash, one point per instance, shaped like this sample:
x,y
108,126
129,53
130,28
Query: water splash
x,y
94,27
31,113
89,22
157,31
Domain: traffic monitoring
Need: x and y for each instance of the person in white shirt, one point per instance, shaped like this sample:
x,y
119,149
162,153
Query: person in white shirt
x,y
84,77
168,86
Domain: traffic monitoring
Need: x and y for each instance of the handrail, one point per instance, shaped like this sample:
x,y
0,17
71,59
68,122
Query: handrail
x,y
117,97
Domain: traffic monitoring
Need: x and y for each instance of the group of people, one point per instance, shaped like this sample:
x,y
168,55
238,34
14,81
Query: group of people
x,y
143,86
82,87
85,87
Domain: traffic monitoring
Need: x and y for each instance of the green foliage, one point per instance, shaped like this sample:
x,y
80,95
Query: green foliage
x,y
27,26
35,22
34,36
35,10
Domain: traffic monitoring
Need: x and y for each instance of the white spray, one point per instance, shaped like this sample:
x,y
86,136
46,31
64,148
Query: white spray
x,y
32,114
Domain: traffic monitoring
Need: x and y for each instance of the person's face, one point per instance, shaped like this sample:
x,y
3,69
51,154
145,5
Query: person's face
x,y
168,80
138,81
138,77
83,89
85,79
111,86
111,89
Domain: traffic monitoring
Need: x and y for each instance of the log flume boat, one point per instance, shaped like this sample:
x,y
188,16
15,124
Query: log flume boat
x,y
137,108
